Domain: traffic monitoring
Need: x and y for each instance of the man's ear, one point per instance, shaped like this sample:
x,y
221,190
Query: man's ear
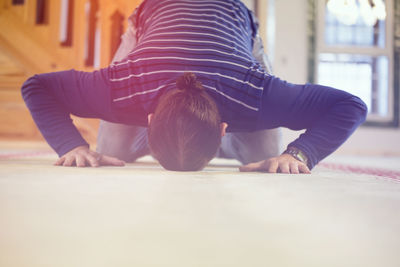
x,y
149,118
224,125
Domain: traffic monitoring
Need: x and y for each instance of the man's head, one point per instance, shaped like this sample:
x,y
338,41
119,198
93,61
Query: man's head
x,y
185,130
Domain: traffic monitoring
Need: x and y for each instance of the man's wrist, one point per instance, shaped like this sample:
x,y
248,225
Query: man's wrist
x,y
297,154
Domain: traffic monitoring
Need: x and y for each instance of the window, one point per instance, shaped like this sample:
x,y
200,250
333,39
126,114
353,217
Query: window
x,y
66,22
358,58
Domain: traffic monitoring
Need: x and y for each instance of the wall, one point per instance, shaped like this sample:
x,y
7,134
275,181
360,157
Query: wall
x,y
290,63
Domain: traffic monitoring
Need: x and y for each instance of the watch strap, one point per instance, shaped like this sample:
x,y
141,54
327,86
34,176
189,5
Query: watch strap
x,y
297,154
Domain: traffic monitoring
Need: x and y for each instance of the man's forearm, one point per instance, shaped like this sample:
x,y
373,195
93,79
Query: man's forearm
x,y
331,130
329,115
51,116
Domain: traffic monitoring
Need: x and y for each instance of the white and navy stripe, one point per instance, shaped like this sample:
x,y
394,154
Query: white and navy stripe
x,y
212,39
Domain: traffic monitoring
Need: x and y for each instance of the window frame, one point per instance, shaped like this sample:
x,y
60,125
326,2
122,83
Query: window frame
x,y
317,46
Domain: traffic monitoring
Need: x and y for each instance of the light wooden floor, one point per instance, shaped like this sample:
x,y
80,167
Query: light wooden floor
x,y
141,215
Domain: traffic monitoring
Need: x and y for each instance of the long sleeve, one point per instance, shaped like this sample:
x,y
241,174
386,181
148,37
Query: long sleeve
x,y
329,115
52,97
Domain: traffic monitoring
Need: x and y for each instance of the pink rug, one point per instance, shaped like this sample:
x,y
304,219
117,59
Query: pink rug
x,y
345,168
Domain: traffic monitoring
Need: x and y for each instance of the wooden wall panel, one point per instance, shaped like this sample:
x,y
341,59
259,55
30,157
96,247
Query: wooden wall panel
x,y
27,48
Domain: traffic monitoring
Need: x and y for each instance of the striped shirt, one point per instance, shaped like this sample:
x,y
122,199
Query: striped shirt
x,y
211,38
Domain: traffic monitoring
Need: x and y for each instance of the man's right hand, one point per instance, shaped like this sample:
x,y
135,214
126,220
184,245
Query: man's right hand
x,y
82,156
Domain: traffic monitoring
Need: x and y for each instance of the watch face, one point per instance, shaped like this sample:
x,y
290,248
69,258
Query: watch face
x,y
303,157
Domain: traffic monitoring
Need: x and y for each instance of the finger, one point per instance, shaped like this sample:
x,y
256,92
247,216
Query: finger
x,y
69,161
284,167
251,167
273,167
60,161
304,169
80,161
294,167
92,160
107,160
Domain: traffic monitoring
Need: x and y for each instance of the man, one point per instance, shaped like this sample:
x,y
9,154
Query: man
x,y
210,43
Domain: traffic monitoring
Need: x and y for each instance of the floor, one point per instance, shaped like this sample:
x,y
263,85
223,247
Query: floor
x,y
347,213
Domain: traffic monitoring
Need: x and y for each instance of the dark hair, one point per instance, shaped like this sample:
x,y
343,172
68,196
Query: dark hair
x,y
185,132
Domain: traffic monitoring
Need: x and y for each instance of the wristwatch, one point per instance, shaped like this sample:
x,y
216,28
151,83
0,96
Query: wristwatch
x,y
297,154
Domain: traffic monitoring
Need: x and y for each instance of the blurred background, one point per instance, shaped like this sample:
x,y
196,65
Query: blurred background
x,y
353,45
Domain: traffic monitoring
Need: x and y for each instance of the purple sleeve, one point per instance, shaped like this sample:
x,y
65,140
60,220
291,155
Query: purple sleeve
x,y
52,97
329,115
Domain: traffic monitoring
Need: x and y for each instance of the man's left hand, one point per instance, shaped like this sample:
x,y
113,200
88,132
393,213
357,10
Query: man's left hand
x,y
284,163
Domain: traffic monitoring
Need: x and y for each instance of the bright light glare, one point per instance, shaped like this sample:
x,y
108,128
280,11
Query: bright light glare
x,y
379,9
367,13
348,11
345,10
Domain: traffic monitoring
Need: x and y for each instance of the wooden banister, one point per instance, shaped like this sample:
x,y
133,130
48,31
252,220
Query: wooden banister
x,y
61,33
66,22
42,12
92,11
117,29
18,2
30,33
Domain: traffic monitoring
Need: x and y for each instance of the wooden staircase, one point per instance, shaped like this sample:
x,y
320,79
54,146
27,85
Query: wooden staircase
x,y
39,36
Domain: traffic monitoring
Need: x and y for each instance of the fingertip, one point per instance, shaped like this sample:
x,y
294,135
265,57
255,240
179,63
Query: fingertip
x,y
273,167
304,169
80,163
294,171
59,162
243,169
94,164
121,163
116,163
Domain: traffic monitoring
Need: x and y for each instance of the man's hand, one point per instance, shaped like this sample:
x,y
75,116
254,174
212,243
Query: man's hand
x,y
82,156
284,163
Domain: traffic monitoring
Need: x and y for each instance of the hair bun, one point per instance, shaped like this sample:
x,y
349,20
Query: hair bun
x,y
188,82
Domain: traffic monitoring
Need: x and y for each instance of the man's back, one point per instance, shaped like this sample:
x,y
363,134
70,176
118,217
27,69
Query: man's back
x,y
212,39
